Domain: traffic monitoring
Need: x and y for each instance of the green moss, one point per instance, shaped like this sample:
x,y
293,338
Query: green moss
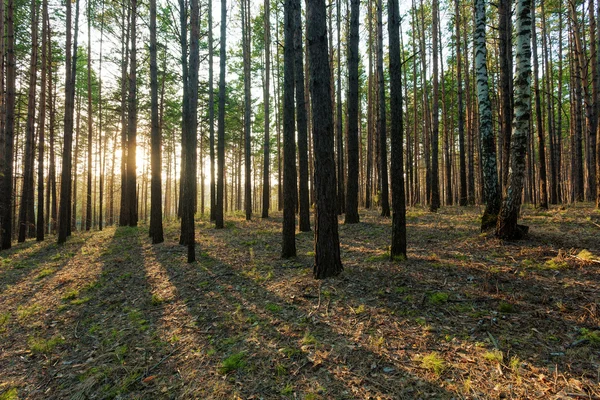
x,y
44,346
10,394
494,356
438,298
232,363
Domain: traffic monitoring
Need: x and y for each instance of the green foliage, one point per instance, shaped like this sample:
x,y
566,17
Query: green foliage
x,y
275,308
438,298
434,363
232,363
24,312
44,346
592,336
505,307
494,356
10,394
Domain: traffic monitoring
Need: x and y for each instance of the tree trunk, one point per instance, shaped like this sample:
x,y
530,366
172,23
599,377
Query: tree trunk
x,y
327,244
303,193
46,69
6,178
288,247
88,209
505,58
381,123
491,192
352,216
221,133
507,227
156,227
462,201
26,218
339,132
543,204
246,37
132,198
434,203
266,192
64,218
124,204
398,247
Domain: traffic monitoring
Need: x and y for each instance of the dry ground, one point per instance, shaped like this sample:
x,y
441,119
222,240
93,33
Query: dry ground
x,y
108,315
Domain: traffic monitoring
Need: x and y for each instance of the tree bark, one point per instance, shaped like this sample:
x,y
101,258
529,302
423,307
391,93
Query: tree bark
x,y
156,227
398,247
352,216
491,190
64,218
462,200
266,192
301,123
434,203
6,178
381,122
327,244
288,247
246,37
26,218
221,133
507,227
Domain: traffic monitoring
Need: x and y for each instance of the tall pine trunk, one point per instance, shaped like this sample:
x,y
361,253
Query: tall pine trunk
x,y
352,216
221,133
327,245
288,247
398,247
156,227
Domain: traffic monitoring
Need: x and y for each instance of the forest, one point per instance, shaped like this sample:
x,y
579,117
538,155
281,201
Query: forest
x,y
256,199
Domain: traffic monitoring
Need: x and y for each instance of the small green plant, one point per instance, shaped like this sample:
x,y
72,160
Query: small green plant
x,y
308,339
287,390
433,362
44,273
71,294
515,363
400,289
360,309
232,363
378,257
157,300
39,345
24,312
494,356
4,320
10,394
438,298
586,255
290,352
82,300
592,336
505,307
274,308
555,264
281,370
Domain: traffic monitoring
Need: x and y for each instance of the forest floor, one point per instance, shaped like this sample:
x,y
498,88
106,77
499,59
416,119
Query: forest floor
x,y
108,315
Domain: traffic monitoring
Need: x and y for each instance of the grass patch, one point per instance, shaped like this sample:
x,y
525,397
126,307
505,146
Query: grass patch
x,y
157,300
39,345
438,298
275,308
308,339
83,300
4,320
434,363
24,312
71,294
586,255
233,363
592,336
378,257
44,273
10,394
506,308
494,356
